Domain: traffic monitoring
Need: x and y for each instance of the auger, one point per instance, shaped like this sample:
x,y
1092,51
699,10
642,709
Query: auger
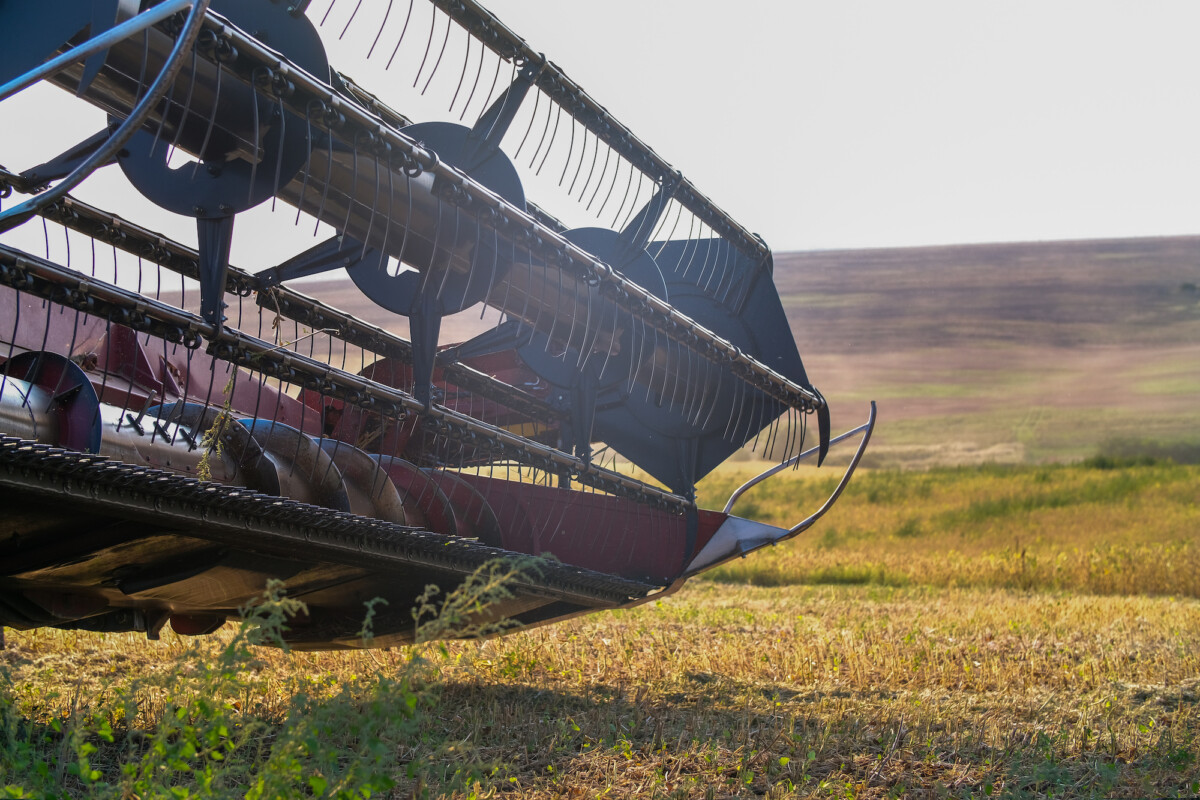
x,y
180,429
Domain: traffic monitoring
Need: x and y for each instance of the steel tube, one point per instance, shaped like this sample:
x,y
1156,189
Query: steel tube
x,y
355,211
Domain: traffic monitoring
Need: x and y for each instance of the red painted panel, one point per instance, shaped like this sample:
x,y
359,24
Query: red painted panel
x,y
596,531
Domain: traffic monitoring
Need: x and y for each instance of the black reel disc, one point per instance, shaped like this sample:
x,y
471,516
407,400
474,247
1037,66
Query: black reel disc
x,y
219,126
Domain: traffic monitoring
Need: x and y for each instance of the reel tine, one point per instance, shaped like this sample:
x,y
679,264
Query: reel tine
x,y
724,251
391,196
353,14
308,108
751,420
604,171
442,52
637,344
701,377
683,251
545,130
637,196
657,233
495,263
387,13
745,416
679,379
739,400
654,365
462,75
354,184
328,11
713,404
487,101
537,99
404,30
624,197
572,325
728,272
554,318
475,84
512,260
437,241
582,156
709,255
212,119
585,345
453,241
759,423
279,156
612,184
524,318
612,342
771,438
325,190
374,197
688,383
408,224
550,145
793,429
256,138
570,149
428,45
187,105
701,391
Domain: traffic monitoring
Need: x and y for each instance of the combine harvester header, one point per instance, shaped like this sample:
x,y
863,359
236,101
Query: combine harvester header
x,y
178,430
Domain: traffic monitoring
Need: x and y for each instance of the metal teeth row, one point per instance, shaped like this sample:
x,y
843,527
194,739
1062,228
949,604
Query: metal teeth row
x,y
137,488
524,232
557,96
100,299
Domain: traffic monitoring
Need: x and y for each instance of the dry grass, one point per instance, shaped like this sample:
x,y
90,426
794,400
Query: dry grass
x,y
1098,527
828,691
922,687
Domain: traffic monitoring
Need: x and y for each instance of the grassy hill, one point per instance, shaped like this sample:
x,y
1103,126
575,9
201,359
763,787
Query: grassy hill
x,y
1005,352
1020,352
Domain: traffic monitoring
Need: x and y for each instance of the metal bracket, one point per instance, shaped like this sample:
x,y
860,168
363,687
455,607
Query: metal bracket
x,y
337,252
484,139
39,177
636,235
214,238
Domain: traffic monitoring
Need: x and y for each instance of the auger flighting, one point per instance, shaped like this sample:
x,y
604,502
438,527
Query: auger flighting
x,y
672,352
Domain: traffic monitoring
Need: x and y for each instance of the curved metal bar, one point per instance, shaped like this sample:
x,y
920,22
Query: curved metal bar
x,y
18,214
862,448
94,45
794,460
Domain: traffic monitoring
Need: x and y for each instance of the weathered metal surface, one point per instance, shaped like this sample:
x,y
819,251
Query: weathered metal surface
x,y
202,428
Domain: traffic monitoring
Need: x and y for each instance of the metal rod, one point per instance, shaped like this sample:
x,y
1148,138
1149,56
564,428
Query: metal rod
x,y
796,459
137,116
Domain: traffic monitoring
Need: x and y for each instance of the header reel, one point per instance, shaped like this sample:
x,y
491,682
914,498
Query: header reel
x,y
671,352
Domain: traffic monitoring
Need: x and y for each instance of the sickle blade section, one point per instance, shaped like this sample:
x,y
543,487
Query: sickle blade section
x,y
179,429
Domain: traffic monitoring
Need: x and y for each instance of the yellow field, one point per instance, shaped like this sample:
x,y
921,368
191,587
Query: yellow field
x,y
1097,527
904,649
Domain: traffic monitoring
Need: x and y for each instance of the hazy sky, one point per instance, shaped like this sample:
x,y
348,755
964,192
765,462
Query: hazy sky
x,y
834,124
846,124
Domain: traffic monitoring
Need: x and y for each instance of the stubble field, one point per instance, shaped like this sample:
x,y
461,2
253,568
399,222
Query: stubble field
x,y
1042,656
983,614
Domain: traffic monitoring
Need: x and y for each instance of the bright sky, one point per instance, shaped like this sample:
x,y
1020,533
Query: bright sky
x,y
842,124
877,123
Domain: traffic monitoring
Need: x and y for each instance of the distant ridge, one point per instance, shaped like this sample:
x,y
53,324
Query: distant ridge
x,y
1016,351
1019,351
1054,293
